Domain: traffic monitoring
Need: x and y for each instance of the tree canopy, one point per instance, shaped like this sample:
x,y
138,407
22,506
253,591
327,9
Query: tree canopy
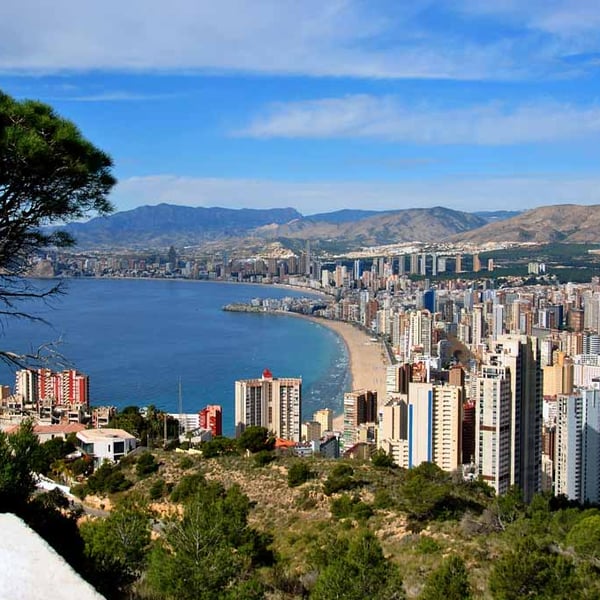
x,y
49,175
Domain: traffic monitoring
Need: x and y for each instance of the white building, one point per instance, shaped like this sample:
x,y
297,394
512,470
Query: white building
x,y
493,427
578,446
106,444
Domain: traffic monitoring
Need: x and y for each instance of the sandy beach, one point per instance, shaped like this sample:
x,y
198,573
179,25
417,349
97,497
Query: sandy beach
x,y
367,359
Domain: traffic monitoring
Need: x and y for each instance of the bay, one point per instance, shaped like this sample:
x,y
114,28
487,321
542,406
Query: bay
x,y
136,339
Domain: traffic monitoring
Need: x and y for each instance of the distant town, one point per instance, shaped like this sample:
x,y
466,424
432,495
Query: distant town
x,y
494,379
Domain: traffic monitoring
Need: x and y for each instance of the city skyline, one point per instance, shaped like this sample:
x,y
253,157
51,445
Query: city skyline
x,y
323,106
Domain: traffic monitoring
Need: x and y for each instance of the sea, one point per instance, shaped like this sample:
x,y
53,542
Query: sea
x,y
137,339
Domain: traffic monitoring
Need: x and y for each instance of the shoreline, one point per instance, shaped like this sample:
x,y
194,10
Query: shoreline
x,y
367,359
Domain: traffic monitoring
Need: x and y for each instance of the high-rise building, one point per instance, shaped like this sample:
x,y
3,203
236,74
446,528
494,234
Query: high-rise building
x,y
493,426
311,431
360,406
447,422
458,264
577,464
393,438
43,387
414,264
520,356
324,417
420,332
434,425
211,418
271,402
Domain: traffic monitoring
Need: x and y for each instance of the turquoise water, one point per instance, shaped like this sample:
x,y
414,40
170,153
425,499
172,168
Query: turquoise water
x,y
136,338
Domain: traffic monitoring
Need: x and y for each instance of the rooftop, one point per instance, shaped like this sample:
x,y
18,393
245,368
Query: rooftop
x,y
97,435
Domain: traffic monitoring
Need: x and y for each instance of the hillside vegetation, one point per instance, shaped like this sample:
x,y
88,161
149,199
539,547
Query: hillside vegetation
x,y
250,525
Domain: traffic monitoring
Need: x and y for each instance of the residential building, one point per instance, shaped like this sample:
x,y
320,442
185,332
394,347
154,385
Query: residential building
x,y
211,418
106,444
493,426
360,406
577,449
271,402
324,417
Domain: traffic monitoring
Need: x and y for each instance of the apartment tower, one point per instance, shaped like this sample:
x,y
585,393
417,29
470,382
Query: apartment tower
x,y
271,402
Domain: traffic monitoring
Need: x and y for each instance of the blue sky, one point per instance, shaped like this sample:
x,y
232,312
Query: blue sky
x,y
323,105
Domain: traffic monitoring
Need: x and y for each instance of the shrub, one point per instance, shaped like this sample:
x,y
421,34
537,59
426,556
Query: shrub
x,y
158,489
186,463
263,458
382,460
187,487
146,465
350,507
298,474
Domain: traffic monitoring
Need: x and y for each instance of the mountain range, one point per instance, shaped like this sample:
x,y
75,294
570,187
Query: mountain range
x,y
165,224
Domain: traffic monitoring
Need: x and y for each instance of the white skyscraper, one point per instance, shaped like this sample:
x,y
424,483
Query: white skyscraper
x,y
577,458
493,426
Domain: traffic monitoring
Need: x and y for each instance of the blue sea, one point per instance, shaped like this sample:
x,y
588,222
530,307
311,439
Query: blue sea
x,y
137,338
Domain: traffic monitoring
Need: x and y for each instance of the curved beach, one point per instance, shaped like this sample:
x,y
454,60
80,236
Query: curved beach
x,y
368,362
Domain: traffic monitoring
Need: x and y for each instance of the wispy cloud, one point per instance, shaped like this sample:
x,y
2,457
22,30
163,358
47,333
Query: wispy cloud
x,y
115,97
311,197
386,118
336,38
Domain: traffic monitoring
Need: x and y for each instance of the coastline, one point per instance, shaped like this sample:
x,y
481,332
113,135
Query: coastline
x,y
367,358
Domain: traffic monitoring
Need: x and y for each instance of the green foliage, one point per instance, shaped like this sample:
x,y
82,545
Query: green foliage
x,y
531,570
356,569
210,552
510,506
150,428
117,547
146,465
158,489
186,463
188,486
19,455
428,493
340,479
263,458
218,446
427,545
448,582
255,439
299,473
50,174
346,506
107,479
584,538
81,466
382,460
52,451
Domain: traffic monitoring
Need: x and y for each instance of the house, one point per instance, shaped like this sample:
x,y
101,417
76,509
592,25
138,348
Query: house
x,y
106,444
49,432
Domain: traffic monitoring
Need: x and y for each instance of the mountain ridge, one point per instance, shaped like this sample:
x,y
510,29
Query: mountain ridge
x,y
164,225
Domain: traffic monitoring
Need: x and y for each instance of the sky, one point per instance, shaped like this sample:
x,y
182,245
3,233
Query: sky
x,y
322,104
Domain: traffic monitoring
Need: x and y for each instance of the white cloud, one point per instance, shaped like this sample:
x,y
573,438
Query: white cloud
x,y
386,118
562,17
311,37
469,194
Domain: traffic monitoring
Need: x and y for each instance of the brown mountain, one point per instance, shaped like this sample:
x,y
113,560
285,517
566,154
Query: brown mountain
x,y
414,224
569,223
